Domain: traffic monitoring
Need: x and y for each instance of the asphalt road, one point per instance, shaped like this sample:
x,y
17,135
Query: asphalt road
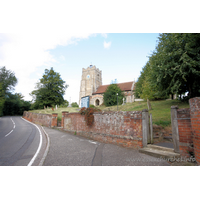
x,y
26,144
21,143
71,150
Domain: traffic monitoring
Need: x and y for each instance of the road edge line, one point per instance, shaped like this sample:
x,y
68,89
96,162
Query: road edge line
x,y
40,144
47,149
12,129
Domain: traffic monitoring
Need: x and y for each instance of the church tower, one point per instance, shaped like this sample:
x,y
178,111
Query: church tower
x,y
90,81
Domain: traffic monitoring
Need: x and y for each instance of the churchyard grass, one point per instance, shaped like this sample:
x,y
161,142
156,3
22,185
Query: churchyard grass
x,y
161,110
59,111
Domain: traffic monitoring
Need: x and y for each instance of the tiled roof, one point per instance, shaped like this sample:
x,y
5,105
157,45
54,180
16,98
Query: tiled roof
x,y
123,86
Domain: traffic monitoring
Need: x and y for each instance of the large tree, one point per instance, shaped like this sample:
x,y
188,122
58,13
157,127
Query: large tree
x,y
110,95
146,86
176,63
49,90
7,83
8,80
15,105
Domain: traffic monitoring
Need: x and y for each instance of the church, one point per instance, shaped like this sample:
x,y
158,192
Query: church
x,y
92,90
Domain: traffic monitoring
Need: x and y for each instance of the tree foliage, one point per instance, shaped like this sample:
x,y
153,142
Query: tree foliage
x,y
174,67
49,90
2,99
15,105
146,86
110,95
7,79
7,83
74,104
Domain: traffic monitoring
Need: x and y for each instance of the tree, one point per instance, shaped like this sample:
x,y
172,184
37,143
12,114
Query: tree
x,y
2,99
176,63
49,90
7,83
74,104
8,79
146,86
15,105
110,95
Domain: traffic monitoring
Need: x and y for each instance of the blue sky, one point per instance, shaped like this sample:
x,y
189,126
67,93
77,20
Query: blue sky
x,y
63,35
120,56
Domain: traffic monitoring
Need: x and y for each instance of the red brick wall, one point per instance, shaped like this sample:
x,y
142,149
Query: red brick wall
x,y
41,119
63,116
54,121
195,121
185,132
123,128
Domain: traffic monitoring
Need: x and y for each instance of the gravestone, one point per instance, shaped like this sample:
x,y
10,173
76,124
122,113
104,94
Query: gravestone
x,y
149,104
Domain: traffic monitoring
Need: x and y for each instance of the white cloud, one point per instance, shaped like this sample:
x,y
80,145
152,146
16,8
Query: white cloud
x,y
25,53
104,35
107,45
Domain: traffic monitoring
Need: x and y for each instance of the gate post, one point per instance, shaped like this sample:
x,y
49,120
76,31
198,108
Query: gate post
x,y
175,133
145,127
151,128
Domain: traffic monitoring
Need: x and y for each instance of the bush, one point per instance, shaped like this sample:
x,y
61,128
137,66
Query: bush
x,y
92,106
88,112
74,104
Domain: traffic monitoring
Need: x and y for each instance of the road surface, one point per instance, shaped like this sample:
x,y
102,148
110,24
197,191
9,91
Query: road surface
x,y
71,150
21,142
25,144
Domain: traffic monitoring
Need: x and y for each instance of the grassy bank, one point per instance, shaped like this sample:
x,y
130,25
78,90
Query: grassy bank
x,y
161,110
59,111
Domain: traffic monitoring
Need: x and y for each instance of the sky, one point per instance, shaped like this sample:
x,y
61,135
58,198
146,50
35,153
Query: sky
x,y
119,56
116,37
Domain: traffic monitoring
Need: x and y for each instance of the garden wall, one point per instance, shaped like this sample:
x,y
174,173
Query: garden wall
x,y
41,119
123,128
195,122
185,132
186,129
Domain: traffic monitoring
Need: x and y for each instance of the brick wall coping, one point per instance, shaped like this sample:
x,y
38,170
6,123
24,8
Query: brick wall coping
x,y
38,113
111,113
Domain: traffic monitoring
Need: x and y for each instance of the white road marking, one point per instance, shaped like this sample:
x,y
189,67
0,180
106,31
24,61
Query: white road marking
x,y
12,129
92,142
40,144
9,133
47,149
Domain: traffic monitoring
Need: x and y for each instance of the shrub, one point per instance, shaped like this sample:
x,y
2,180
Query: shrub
x,y
88,112
74,104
